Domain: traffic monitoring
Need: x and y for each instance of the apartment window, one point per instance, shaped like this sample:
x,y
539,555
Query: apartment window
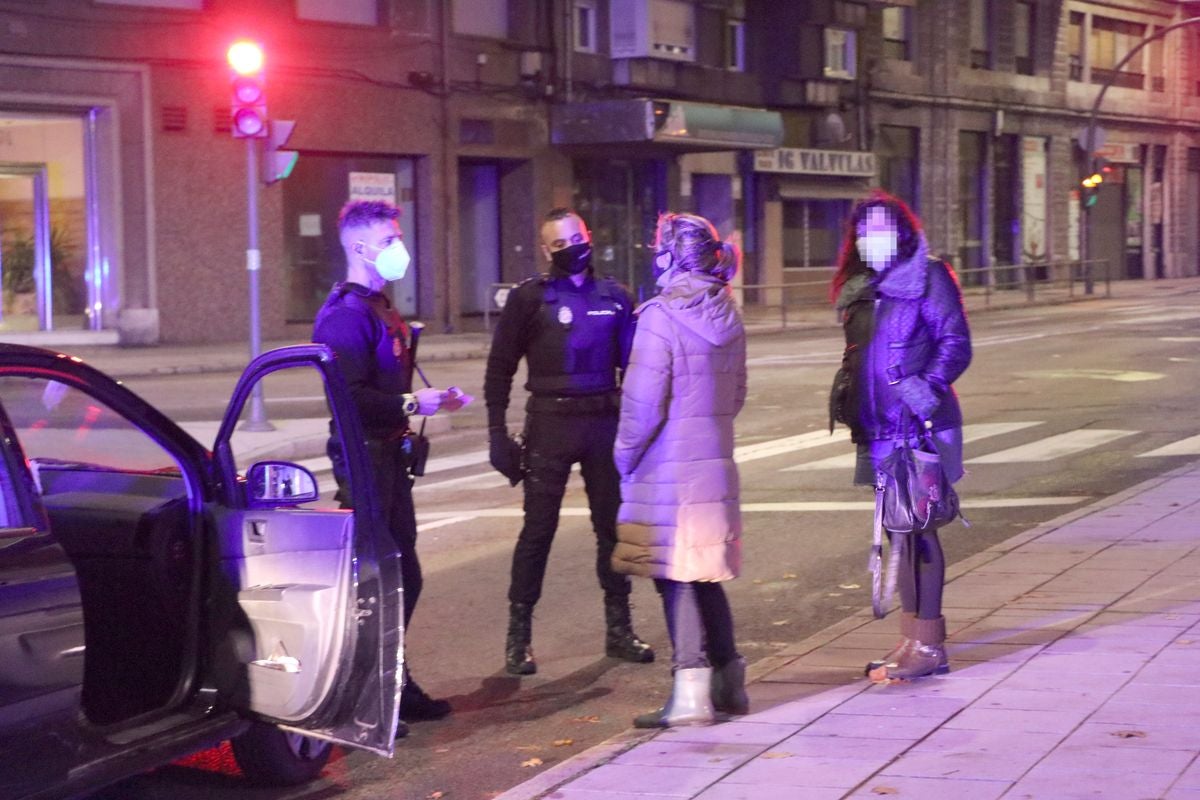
x,y
899,164
585,26
981,34
897,33
1157,69
735,45
186,5
350,12
1024,27
1075,46
840,54
487,18
1111,41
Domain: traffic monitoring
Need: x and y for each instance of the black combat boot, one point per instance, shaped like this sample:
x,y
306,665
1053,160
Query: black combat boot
x,y
619,639
416,705
518,654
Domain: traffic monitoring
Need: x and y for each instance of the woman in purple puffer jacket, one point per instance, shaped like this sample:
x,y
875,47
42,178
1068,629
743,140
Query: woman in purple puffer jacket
x,y
907,342
680,522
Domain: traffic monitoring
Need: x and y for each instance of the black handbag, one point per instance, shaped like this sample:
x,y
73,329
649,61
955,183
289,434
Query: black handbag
x,y
912,494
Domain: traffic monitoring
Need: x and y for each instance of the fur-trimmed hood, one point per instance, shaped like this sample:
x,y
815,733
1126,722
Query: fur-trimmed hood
x,y
904,280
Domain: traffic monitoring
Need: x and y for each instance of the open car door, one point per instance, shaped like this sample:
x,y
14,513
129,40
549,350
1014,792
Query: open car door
x,y
318,589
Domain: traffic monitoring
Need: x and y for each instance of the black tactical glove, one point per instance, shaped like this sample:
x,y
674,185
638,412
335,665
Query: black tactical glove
x,y
505,454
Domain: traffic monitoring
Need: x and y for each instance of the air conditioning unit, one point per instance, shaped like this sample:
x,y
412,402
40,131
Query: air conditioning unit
x,y
652,29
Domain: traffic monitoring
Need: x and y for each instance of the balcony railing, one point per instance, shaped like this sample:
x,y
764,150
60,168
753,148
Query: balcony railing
x,y
1123,79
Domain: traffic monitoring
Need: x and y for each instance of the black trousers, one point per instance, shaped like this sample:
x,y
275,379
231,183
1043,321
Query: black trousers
x,y
556,442
394,487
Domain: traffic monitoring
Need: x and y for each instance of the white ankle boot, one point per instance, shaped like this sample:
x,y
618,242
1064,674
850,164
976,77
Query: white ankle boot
x,y
690,702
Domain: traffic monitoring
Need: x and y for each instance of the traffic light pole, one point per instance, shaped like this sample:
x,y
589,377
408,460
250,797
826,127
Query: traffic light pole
x,y
1091,133
258,413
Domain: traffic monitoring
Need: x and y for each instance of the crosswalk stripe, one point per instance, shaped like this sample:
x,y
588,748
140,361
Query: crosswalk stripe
x,y
971,433
788,444
1052,447
1184,447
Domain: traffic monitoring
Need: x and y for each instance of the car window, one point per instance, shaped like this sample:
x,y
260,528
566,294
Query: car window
x,y
10,508
61,425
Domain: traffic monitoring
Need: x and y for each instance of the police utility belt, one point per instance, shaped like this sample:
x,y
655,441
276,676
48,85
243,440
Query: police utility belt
x,y
588,404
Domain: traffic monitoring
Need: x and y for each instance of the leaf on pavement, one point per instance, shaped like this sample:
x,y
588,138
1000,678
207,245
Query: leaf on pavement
x,y
757,580
790,576
563,742
442,750
849,586
1129,734
533,762
776,754
592,718
438,795
884,790
781,622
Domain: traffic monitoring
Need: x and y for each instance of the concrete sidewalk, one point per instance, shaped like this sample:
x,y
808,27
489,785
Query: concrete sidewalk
x,y
1075,656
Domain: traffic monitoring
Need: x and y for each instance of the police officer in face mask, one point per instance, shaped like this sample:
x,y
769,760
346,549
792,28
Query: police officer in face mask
x,y
372,344
574,331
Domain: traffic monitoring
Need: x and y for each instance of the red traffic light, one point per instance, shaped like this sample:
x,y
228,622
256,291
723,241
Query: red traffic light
x,y
248,109
246,57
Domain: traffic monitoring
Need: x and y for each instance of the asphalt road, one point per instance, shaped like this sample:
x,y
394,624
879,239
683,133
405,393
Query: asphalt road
x,y
1064,405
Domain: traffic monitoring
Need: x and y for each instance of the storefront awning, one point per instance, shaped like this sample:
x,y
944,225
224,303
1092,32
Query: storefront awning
x,y
830,189
686,126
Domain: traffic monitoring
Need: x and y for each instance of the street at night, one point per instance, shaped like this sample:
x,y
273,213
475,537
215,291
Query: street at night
x,y
1064,405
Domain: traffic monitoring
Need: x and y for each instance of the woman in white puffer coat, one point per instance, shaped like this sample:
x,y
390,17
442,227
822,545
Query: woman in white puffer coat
x,y
680,522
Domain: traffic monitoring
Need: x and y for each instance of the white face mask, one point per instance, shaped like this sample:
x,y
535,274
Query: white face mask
x,y
392,261
878,249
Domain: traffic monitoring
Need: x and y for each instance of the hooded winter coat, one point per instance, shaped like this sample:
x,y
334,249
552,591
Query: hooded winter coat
x,y
685,383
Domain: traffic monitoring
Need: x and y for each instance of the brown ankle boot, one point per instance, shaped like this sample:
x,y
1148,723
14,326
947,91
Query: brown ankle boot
x,y
926,654
907,634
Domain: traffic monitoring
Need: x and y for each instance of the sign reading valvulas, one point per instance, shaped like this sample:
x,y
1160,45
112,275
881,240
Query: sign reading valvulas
x,y
815,162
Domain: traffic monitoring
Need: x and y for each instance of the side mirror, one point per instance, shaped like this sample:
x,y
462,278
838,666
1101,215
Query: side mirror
x,y
276,483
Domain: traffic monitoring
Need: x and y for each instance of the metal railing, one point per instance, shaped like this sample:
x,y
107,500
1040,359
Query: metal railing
x,y
1029,282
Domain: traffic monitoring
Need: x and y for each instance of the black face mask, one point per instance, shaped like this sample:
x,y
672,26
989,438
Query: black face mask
x,y
574,259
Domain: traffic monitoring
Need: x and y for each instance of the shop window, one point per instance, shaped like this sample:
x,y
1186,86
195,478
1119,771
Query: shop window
x,y
1111,40
841,59
585,26
981,34
312,198
897,33
1024,27
735,45
350,12
971,182
488,18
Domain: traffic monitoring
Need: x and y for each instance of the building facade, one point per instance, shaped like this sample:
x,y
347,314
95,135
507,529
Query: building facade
x,y
980,110
123,195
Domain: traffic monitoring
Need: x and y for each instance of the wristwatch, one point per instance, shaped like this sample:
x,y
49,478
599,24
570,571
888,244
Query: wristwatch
x,y
411,406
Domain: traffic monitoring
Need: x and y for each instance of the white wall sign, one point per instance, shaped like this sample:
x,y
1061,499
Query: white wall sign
x,y
815,162
1033,198
373,186
310,224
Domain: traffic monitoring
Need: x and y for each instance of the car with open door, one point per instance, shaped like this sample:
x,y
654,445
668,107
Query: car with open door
x,y
158,597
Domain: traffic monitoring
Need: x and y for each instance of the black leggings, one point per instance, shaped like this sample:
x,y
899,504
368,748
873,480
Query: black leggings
x,y
921,573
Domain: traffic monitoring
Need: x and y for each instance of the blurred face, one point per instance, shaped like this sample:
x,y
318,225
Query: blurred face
x,y
878,238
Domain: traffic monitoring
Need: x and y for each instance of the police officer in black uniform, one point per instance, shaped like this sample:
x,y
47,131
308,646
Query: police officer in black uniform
x,y
372,344
574,330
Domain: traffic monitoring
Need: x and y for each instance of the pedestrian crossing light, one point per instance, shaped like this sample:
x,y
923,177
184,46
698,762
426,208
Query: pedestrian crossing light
x,y
249,96
277,163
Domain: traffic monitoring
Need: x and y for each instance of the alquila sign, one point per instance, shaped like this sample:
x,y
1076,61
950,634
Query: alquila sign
x,y
802,161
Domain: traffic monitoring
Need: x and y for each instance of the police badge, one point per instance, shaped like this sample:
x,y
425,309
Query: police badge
x,y
565,317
